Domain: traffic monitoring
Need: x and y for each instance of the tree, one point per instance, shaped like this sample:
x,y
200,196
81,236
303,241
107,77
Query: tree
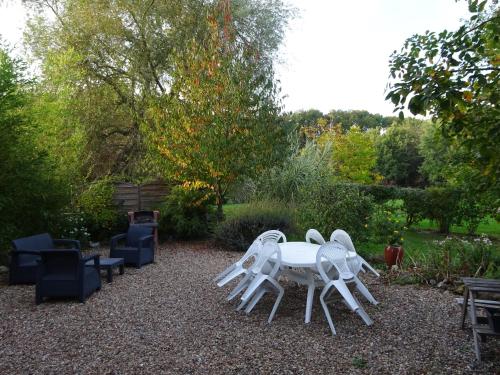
x,y
398,154
363,119
29,191
109,60
454,77
219,122
352,155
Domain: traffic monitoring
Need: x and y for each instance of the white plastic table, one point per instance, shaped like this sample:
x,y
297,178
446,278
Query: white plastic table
x,y
303,255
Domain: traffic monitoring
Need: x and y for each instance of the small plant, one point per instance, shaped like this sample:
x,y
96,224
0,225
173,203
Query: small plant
x,y
456,257
74,227
387,224
359,362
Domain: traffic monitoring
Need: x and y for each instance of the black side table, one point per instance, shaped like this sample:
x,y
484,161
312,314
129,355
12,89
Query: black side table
x,y
108,264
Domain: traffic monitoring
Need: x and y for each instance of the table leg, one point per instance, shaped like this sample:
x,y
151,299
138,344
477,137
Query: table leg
x,y
110,274
122,269
310,295
464,306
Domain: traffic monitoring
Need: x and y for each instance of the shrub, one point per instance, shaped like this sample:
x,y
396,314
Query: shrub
x,y
187,212
413,204
327,207
381,193
304,168
442,205
101,216
239,232
386,226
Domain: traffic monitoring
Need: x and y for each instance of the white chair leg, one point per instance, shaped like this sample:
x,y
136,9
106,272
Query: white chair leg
x,y
276,304
232,275
346,294
325,309
370,268
256,298
239,288
224,273
364,291
362,313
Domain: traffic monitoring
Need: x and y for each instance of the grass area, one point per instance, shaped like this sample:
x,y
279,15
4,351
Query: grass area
x,y
488,226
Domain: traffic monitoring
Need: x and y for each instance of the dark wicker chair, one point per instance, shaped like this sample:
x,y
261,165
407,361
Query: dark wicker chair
x,y
139,247
26,252
63,273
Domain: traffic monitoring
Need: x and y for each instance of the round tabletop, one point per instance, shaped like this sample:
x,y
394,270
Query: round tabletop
x,y
298,254
301,254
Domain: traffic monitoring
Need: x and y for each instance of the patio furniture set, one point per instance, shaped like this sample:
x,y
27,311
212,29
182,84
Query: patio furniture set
x,y
66,272
332,266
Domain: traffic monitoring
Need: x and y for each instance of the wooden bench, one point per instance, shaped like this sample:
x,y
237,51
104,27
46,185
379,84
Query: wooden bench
x,y
480,326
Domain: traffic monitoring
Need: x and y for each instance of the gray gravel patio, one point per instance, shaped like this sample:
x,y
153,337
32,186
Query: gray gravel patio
x,y
169,317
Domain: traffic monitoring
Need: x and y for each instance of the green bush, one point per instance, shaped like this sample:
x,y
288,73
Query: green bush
x,y
186,213
304,168
240,231
100,215
381,193
442,206
386,226
413,204
331,206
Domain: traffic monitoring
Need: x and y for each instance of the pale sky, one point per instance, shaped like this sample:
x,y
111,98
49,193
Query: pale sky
x,y
336,52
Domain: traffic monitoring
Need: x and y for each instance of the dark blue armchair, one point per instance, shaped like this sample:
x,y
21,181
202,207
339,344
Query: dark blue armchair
x,y
63,273
139,246
25,254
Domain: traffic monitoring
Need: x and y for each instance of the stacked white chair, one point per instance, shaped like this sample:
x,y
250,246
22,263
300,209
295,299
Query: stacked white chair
x,y
357,263
270,236
273,236
237,269
335,254
314,235
263,278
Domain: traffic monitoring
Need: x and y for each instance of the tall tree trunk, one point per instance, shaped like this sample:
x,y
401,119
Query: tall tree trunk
x,y
219,200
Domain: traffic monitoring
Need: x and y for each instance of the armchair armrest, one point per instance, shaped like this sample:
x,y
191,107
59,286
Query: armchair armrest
x,y
14,253
75,244
115,239
144,240
95,257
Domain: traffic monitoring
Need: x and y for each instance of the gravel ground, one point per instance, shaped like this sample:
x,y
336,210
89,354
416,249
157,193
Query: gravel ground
x,y
170,318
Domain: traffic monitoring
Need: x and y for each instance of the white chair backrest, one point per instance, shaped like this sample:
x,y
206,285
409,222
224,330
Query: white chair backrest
x,y
253,250
335,253
343,238
313,234
272,235
263,264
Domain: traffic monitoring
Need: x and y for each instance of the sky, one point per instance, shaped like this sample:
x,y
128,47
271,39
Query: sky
x,y
336,52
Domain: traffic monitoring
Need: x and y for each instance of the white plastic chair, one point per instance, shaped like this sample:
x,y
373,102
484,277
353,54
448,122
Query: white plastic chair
x,y
358,263
313,234
272,235
237,269
336,254
264,275
269,236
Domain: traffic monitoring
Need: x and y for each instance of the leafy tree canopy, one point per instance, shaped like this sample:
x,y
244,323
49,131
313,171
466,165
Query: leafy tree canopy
x,y
398,154
453,75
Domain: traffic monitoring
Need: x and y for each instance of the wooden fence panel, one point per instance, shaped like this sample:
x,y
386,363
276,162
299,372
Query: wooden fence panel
x,y
130,197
